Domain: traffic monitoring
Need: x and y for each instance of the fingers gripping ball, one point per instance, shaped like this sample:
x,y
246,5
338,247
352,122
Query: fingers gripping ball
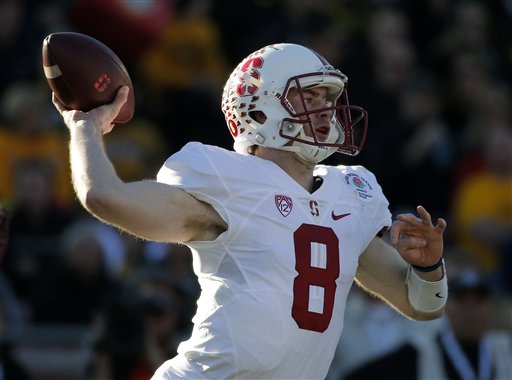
x,y
84,73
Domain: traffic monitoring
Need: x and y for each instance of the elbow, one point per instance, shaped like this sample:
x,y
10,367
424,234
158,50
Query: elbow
x,y
423,316
94,201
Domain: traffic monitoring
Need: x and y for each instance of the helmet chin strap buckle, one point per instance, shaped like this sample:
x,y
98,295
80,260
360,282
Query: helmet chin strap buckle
x,y
259,138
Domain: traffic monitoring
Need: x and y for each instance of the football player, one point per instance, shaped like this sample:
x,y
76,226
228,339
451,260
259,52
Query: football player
x,y
277,238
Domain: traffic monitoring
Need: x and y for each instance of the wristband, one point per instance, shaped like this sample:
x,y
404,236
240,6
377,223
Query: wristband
x,y
426,296
430,268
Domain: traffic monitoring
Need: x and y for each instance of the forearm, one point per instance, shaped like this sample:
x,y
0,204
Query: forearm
x,y
147,209
93,174
383,272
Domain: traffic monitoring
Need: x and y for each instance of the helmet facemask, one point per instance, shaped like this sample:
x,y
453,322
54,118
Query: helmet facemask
x,y
309,143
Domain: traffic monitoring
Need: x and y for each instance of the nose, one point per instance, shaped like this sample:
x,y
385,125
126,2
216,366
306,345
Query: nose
x,y
322,104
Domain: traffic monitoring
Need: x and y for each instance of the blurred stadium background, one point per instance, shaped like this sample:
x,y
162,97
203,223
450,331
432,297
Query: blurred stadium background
x,y
79,300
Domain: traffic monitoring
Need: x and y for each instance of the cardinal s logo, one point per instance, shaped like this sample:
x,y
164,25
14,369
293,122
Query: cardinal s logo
x,y
249,77
102,82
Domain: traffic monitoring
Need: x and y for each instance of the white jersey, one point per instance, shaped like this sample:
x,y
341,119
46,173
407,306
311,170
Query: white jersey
x,y
275,284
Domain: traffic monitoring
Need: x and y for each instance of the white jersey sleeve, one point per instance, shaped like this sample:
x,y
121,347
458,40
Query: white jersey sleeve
x,y
193,169
368,196
274,285
216,176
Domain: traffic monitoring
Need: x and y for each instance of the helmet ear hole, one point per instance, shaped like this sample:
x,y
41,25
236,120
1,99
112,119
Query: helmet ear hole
x,y
258,116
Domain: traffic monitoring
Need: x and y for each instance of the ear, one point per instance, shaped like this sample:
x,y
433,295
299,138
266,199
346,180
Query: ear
x,y
258,116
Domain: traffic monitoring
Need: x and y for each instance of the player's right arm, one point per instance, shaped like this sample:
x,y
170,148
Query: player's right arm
x,y
147,209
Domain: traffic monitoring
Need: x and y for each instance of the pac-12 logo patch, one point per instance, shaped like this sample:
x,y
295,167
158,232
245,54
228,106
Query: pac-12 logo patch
x,y
284,204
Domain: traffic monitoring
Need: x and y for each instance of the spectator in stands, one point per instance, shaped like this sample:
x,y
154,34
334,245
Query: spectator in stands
x,y
36,223
27,134
183,68
77,289
11,316
4,230
372,329
464,348
139,329
482,209
424,144
10,367
382,60
136,149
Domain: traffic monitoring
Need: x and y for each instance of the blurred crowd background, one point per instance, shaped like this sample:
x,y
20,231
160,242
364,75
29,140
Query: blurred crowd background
x,y
80,300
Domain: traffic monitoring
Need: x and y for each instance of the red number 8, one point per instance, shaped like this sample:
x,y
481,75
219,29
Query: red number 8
x,y
313,276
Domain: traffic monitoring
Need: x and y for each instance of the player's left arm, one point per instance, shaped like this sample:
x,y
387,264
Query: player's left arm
x,y
387,270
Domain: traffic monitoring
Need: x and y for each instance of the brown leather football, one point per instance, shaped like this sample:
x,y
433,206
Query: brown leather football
x,y
85,73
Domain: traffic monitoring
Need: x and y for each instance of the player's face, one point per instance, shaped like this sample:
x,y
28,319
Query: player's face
x,y
314,99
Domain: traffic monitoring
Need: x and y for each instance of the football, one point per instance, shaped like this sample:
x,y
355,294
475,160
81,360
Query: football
x,y
84,73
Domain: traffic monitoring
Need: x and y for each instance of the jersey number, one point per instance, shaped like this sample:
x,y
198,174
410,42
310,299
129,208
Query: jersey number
x,y
309,276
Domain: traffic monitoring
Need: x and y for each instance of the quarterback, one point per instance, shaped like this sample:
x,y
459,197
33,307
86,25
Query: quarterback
x,y
277,238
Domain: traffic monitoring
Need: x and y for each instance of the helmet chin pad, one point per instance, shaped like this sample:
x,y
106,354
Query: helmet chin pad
x,y
311,149
310,153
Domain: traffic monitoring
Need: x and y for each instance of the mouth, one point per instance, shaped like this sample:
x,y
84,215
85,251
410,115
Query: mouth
x,y
322,132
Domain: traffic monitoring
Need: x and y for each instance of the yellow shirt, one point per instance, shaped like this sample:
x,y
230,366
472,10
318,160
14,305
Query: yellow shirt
x,y
49,147
483,196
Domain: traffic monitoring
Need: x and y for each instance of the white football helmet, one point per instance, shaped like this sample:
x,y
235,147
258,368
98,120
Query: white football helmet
x,y
262,81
